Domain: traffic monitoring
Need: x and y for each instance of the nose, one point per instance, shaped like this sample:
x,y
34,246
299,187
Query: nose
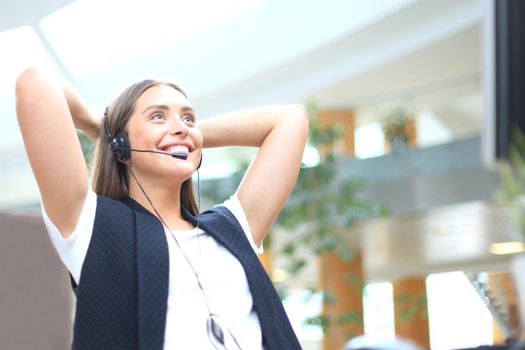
x,y
178,127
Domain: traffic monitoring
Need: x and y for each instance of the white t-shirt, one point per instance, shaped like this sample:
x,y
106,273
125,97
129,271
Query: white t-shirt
x,y
221,275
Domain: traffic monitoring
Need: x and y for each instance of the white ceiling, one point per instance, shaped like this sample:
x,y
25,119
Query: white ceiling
x,y
17,13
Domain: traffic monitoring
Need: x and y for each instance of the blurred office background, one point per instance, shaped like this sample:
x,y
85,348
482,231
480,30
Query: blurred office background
x,y
444,72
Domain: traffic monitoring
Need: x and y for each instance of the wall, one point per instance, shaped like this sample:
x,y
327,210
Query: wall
x,y
35,298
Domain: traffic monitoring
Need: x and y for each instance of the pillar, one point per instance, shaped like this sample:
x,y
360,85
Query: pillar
x,y
410,310
501,285
344,119
266,260
342,283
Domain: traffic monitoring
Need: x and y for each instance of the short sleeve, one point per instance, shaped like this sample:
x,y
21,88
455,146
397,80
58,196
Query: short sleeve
x,y
233,204
72,251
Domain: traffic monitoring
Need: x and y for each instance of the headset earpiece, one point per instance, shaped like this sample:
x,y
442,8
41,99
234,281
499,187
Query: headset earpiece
x,y
118,144
121,142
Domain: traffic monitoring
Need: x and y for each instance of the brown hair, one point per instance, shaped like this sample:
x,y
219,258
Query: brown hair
x,y
110,176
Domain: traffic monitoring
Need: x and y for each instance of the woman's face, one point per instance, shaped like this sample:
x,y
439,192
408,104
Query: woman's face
x,y
164,121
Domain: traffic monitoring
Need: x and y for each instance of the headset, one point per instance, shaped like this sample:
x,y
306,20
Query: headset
x,y
121,147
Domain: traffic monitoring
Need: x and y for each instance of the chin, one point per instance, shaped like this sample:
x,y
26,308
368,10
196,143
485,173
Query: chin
x,y
184,171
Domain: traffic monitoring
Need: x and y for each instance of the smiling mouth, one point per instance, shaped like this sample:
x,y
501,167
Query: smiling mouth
x,y
179,149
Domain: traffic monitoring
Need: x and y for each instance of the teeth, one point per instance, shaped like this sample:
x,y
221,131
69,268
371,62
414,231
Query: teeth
x,y
178,149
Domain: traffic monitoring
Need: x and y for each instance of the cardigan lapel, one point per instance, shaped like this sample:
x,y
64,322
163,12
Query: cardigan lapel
x,y
153,274
152,277
226,236
222,225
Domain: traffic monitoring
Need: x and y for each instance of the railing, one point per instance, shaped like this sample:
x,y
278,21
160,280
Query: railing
x,y
497,303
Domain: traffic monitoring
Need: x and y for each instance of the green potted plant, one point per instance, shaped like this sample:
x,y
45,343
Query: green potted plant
x,y
512,196
324,204
396,128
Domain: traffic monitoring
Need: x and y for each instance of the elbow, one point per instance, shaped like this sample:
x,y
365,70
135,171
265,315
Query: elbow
x,y
31,80
299,110
26,79
300,115
26,83
29,87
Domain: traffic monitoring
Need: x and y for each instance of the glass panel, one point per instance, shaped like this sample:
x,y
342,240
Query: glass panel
x,y
457,316
378,305
440,115
369,141
21,48
302,305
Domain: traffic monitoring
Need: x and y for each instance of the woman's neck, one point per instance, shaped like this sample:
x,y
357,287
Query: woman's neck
x,y
165,201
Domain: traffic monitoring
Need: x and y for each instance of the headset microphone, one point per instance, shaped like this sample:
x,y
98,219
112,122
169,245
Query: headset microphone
x,y
120,144
183,156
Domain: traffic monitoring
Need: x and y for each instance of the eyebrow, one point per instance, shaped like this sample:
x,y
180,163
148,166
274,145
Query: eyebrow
x,y
167,108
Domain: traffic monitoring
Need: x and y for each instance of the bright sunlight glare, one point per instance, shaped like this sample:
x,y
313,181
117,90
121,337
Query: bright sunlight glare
x,y
114,30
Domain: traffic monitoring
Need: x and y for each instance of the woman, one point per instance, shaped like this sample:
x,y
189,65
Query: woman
x,y
147,270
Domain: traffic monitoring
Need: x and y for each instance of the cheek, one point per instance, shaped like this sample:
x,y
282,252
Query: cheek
x,y
133,134
197,137
143,137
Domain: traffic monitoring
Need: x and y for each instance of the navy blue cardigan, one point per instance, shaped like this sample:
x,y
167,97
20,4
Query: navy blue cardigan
x,y
123,291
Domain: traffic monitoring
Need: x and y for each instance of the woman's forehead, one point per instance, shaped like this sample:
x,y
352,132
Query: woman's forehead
x,y
162,95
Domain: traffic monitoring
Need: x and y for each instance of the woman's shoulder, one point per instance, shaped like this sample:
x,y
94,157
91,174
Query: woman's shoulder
x,y
108,205
112,212
232,210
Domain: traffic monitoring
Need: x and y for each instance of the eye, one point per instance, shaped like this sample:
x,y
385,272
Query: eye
x,y
188,119
157,116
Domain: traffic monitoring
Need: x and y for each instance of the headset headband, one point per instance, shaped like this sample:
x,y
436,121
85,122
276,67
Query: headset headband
x,y
107,130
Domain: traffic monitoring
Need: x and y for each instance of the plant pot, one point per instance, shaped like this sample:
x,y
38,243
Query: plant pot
x,y
517,268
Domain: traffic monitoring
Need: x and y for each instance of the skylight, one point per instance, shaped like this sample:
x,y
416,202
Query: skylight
x,y
91,34
21,48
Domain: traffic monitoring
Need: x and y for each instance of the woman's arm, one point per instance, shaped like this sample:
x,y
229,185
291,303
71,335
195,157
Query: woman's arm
x,y
48,113
281,133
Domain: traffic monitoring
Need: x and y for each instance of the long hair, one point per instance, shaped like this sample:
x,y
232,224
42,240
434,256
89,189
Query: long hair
x,y
110,177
